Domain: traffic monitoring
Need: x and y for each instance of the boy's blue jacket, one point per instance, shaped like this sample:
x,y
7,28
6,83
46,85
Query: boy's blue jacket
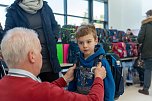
x,y
109,84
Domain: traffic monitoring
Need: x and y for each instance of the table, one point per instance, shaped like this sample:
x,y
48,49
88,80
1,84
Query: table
x,y
128,58
65,67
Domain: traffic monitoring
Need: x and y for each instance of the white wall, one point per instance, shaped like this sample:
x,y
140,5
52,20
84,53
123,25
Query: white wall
x,y
146,5
125,14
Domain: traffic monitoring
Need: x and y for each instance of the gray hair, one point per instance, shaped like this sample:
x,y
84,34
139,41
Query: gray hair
x,y
16,44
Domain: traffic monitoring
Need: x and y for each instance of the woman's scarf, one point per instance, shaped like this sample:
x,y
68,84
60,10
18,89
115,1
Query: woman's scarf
x,y
31,6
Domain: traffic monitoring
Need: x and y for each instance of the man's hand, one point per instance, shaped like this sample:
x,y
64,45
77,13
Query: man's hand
x,y
69,76
100,71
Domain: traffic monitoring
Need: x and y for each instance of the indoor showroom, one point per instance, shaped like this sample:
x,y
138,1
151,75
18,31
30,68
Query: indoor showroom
x,y
75,50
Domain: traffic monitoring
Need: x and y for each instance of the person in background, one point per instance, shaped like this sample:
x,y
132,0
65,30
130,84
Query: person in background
x,y
90,53
129,36
21,51
37,15
129,32
144,38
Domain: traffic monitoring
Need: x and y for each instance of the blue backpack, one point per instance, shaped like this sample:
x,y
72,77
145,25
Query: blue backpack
x,y
85,76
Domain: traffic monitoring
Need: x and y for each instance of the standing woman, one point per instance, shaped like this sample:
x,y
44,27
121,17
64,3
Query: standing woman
x,y
37,15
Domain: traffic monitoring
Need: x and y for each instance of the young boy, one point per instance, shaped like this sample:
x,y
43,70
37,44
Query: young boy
x,y
90,51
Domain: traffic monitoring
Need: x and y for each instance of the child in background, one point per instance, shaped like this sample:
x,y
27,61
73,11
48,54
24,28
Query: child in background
x,y
90,50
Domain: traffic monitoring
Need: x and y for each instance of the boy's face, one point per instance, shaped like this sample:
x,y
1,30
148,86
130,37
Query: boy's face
x,y
87,44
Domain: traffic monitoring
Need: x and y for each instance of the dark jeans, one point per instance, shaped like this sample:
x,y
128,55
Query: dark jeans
x,y
48,76
147,73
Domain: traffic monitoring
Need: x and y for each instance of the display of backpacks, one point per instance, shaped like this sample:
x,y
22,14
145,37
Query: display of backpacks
x,y
120,35
119,48
114,35
68,33
73,51
60,52
132,49
107,47
65,52
103,35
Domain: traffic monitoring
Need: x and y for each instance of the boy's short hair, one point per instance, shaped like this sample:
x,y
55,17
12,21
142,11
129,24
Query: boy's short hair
x,y
86,29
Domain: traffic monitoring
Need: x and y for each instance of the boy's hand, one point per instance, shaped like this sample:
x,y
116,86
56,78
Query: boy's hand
x,y
69,76
100,71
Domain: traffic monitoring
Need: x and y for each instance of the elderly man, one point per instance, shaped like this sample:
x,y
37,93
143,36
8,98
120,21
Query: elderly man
x,y
21,51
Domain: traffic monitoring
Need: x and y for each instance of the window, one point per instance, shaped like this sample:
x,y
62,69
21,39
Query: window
x,y
58,8
3,5
77,7
98,10
98,13
7,2
99,25
77,11
76,21
56,5
60,19
2,15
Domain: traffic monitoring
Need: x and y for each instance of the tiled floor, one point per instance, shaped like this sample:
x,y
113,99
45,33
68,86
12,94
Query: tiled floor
x,y
131,94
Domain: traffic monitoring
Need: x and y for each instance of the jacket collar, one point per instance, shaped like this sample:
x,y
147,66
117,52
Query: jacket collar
x,y
22,73
147,20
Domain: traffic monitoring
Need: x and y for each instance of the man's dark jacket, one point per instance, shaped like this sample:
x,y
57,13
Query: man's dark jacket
x,y
145,38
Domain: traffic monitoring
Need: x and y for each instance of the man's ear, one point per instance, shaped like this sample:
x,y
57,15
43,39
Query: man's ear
x,y
31,56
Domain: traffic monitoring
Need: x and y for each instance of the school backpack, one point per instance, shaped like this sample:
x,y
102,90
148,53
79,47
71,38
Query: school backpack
x,y
84,76
119,48
132,49
103,35
114,35
73,51
86,73
68,33
116,68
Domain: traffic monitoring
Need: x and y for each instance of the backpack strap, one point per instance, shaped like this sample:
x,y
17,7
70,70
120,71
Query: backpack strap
x,y
77,62
98,59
